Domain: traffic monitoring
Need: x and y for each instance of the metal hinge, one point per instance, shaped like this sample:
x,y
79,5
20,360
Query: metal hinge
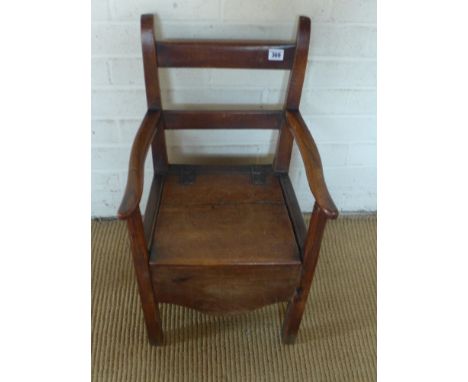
x,y
258,175
187,175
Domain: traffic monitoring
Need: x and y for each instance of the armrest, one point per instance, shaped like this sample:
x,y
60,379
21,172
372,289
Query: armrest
x,y
141,144
312,163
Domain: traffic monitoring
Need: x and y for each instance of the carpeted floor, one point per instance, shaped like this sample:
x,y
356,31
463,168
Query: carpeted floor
x,y
336,342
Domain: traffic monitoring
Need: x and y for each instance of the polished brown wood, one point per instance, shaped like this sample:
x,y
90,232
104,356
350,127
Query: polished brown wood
x,y
158,150
224,243
296,79
141,144
225,288
283,150
150,62
311,254
294,210
293,98
224,238
223,54
223,218
153,92
152,208
312,163
143,276
223,119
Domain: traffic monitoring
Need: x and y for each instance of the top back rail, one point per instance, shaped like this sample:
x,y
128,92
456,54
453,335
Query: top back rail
x,y
225,54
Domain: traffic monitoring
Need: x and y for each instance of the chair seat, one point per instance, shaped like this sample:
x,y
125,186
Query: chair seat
x,y
223,216
223,239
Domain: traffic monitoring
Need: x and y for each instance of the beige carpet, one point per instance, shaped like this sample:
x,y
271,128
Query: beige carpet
x,y
336,342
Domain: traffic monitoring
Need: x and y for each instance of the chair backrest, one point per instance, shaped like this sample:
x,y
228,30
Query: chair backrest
x,y
228,54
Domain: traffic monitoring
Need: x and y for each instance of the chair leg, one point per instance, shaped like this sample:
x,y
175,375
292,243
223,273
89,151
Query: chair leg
x,y
297,303
293,318
143,275
153,322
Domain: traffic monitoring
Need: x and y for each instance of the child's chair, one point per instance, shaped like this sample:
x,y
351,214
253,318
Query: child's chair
x,y
224,238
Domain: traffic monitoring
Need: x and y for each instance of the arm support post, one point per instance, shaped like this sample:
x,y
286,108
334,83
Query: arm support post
x,y
312,163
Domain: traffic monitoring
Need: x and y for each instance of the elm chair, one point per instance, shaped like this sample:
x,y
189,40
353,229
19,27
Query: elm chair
x,y
224,239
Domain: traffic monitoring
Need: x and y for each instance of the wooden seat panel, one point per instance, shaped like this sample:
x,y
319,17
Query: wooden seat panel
x,y
223,218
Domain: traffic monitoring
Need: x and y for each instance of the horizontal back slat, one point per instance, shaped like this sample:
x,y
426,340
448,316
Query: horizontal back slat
x,y
224,54
222,119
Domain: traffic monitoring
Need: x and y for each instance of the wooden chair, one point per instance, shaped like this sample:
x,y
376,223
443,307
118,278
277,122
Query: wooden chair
x,y
224,238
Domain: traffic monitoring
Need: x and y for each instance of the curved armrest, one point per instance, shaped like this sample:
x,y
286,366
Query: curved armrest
x,y
140,147
312,163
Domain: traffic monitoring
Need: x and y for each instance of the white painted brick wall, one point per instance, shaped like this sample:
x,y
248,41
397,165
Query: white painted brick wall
x,y
338,102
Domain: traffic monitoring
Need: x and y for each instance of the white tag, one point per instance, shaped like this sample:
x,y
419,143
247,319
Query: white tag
x,y
275,54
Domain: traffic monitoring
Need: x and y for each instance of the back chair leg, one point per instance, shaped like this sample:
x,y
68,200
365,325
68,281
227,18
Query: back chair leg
x,y
145,287
297,303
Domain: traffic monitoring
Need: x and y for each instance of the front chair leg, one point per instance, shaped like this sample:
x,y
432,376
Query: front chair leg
x,y
145,285
298,301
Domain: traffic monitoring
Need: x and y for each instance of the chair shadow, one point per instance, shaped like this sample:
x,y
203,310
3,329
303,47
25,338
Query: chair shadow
x,y
207,325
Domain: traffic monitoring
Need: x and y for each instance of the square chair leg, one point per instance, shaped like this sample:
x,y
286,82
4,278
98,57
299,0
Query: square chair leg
x,y
297,303
145,287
